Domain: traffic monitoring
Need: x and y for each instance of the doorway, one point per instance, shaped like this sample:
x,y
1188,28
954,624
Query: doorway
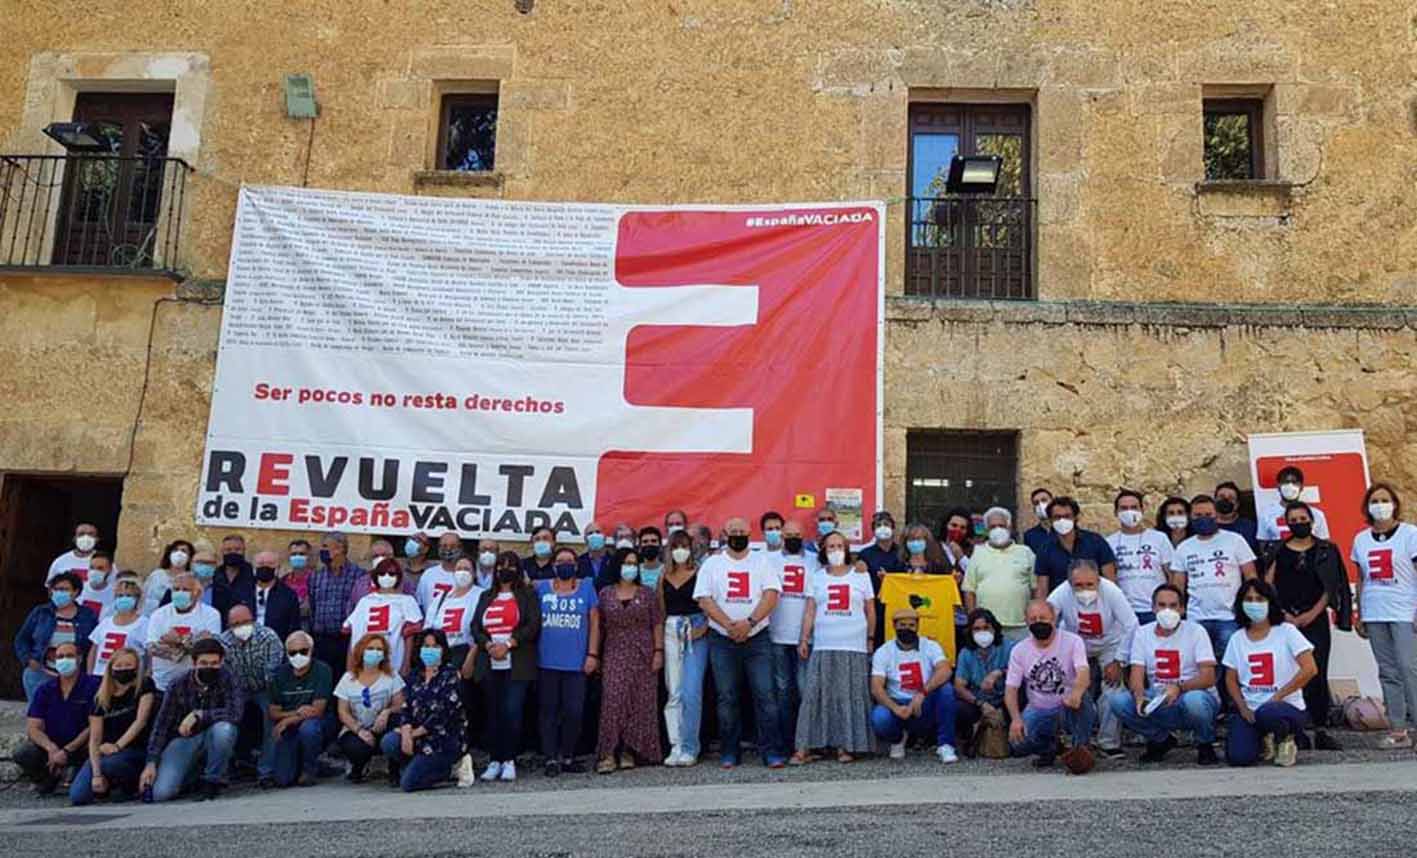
x,y
37,518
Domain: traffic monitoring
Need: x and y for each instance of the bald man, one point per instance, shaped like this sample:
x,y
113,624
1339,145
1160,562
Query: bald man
x,y
1051,664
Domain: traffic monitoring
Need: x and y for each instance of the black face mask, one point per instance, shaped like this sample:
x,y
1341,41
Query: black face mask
x,y
649,553
208,675
265,574
908,638
1301,529
232,559
508,575
124,676
792,544
738,542
1040,631
1224,506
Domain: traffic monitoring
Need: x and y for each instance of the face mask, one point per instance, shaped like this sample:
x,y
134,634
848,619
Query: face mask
x,y
124,676
97,577
908,638
61,598
1041,631
1206,525
1256,611
1129,517
984,639
738,542
487,559
825,527
675,528
541,549
884,533
629,573
124,604
85,542
243,632
1290,491
387,582
325,556
681,555
595,541
431,656
265,574
208,675
1224,506
772,537
462,579
792,544
299,661
1063,526
836,557
649,553
232,559
178,559
624,542
1177,522
449,555
204,570
66,666
915,546
1168,619
1380,510
1041,510
999,536
1300,530
565,571
181,600
957,535
411,547
298,561
508,575
373,657
1087,598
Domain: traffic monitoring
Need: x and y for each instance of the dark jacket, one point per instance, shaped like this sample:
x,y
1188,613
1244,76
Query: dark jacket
x,y
34,635
1329,560
526,633
282,609
228,594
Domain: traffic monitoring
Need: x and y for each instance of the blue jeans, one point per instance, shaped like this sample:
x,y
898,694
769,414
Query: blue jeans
x,y
265,759
297,751
731,661
421,771
685,663
1280,720
32,679
789,677
1041,726
121,769
1220,632
505,698
936,715
178,766
1193,710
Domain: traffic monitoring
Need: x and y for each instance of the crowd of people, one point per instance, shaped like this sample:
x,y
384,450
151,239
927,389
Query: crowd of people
x,y
969,639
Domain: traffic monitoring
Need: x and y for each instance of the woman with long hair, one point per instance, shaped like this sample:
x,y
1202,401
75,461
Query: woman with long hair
x,y
506,629
122,717
369,696
685,650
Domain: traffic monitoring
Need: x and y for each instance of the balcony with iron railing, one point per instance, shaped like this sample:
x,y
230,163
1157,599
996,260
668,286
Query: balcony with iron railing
x,y
92,213
971,246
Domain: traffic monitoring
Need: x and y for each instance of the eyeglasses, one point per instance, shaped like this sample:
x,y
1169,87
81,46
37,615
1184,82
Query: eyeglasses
x,y
305,651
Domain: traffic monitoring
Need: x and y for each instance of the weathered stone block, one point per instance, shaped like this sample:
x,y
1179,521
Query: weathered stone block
x,y
404,94
469,62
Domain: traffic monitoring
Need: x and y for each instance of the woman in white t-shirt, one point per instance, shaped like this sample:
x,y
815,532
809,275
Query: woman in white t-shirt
x,y
125,627
838,623
175,558
1270,661
368,696
388,611
1386,557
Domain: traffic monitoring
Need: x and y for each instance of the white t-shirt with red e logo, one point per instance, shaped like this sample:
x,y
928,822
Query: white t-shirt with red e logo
x,y
384,614
1106,626
1265,666
109,637
1386,567
737,586
842,601
453,614
1175,658
797,572
906,671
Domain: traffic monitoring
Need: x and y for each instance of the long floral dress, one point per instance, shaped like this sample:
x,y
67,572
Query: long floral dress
x,y
629,714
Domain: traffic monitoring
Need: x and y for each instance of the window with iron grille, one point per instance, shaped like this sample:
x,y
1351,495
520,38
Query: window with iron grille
x,y
467,132
947,468
970,245
1234,139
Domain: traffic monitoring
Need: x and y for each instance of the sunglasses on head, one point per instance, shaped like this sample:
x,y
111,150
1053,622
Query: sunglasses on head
x,y
305,651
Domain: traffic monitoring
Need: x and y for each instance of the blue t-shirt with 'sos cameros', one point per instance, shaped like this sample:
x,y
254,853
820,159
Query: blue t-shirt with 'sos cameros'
x,y
565,625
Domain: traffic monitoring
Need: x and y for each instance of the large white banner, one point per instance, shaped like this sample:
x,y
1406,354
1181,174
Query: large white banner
x,y
391,364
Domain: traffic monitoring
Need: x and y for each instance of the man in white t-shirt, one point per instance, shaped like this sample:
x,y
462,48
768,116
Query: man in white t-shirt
x,y
796,568
1171,659
1097,611
1209,567
738,590
910,682
1272,525
437,580
1266,680
77,560
1143,554
97,594
176,626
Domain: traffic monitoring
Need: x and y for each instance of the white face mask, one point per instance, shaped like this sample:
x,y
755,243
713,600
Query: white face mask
x,y
85,542
1168,619
462,578
625,543
387,582
681,555
299,661
836,558
1290,491
1086,597
984,639
487,558
999,536
1177,522
178,559
884,533
1129,517
675,528
1063,526
1380,510
1041,508
243,632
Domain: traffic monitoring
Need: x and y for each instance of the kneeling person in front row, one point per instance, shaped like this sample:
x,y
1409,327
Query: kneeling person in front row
x,y
298,695
910,681
1051,665
196,727
1270,662
1171,659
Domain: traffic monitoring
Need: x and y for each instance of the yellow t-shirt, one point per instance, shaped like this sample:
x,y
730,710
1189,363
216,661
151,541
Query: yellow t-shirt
x,y
934,597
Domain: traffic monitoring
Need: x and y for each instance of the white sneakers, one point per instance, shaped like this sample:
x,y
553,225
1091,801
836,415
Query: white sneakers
x,y
947,754
898,750
509,771
464,773
678,759
492,772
